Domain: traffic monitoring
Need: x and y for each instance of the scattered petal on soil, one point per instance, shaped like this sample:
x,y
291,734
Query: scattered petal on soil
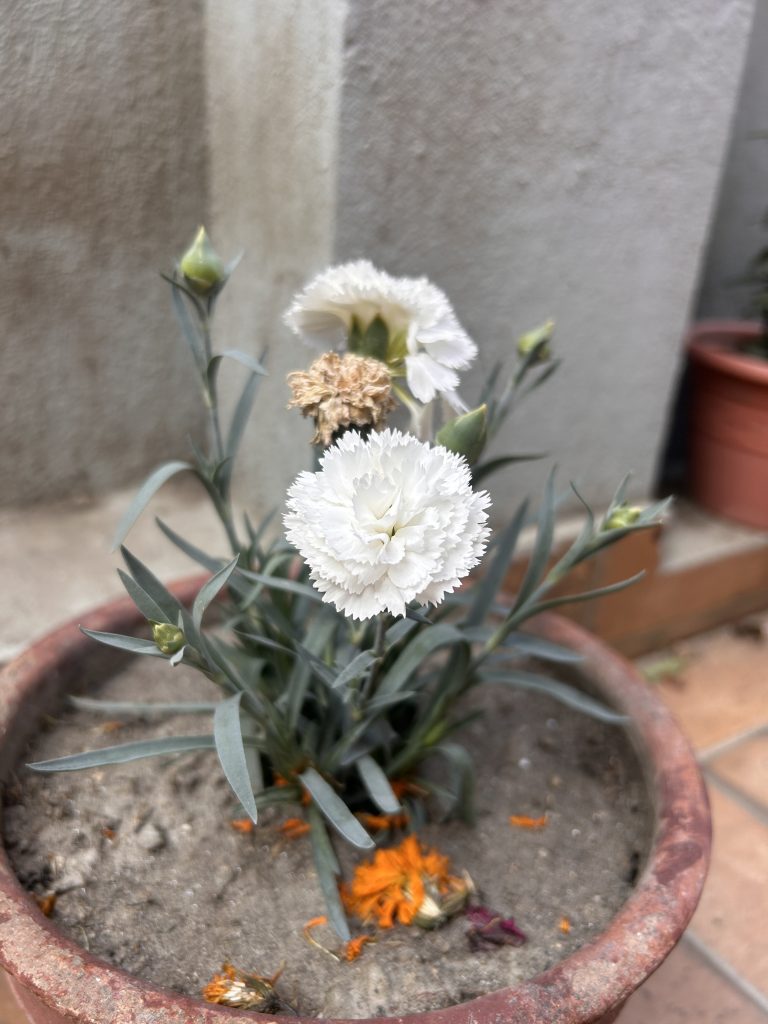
x,y
487,928
524,821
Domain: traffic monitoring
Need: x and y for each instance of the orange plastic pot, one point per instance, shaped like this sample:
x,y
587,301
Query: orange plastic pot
x,y
729,422
55,981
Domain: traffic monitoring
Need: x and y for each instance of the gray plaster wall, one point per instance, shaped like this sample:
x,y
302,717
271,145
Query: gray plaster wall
x,y
104,168
273,73
557,158
738,231
551,159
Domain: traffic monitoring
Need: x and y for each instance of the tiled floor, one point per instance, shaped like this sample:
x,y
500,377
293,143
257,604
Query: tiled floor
x,y
719,972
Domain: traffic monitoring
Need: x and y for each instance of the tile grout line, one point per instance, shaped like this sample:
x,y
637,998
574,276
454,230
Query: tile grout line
x,y
728,972
746,802
704,756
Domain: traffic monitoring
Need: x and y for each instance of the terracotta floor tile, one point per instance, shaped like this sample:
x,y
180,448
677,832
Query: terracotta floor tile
x,y
686,990
746,768
9,1010
722,689
731,918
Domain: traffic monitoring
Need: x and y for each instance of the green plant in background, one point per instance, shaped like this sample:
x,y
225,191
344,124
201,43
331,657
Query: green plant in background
x,y
344,649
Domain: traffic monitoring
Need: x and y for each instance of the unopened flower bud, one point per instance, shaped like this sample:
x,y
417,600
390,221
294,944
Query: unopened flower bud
x,y
621,517
201,265
466,435
169,638
535,343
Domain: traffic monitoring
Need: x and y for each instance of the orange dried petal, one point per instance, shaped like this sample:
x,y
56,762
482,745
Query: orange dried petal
x,y
524,821
244,825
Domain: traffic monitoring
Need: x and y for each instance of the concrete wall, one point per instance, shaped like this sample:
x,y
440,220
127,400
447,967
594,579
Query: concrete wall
x,y
738,231
105,175
273,82
557,158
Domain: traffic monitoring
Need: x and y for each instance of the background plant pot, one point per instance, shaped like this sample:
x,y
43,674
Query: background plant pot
x,y
54,980
729,422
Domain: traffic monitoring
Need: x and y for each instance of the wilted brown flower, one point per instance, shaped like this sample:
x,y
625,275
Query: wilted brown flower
x,y
341,392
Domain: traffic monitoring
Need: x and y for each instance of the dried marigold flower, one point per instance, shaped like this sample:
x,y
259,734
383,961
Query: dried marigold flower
x,y
407,884
524,821
341,392
244,991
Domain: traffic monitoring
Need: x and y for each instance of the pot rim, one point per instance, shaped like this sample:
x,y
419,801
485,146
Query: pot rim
x,y
715,344
592,981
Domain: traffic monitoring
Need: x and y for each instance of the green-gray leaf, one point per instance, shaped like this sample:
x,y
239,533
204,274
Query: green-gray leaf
x,y
335,810
427,641
124,643
377,785
210,589
129,707
124,752
231,751
148,489
561,692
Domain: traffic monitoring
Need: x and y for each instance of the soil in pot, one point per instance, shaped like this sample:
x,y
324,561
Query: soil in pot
x,y
151,876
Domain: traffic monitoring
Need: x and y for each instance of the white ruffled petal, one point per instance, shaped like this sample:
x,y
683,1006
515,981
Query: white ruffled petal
x,y
387,521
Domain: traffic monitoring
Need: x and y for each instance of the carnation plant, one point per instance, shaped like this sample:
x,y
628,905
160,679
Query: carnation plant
x,y
344,648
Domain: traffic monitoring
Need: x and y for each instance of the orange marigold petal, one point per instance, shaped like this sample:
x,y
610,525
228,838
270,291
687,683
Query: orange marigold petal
x,y
244,825
524,821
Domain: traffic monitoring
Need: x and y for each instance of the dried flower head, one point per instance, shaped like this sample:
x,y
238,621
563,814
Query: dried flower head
x,y
418,316
387,520
244,991
405,883
341,392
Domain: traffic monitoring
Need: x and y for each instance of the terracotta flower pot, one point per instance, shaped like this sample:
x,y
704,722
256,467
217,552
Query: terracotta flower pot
x,y
729,422
55,980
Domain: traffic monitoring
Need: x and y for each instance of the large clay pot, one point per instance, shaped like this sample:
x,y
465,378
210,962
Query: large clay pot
x,y
729,422
55,980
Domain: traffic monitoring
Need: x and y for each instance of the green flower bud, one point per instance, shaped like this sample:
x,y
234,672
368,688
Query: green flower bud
x,y
621,517
535,343
169,638
466,435
201,265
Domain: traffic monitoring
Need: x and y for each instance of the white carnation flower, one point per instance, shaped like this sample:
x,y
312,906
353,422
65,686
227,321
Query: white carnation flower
x,y
386,521
436,343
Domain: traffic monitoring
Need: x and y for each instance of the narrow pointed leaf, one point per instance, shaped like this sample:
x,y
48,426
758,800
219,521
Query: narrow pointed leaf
x,y
231,752
484,591
537,563
146,604
354,670
588,595
328,871
128,707
335,810
414,654
152,586
195,553
210,589
133,644
189,327
245,359
286,585
377,785
485,469
124,752
146,492
561,692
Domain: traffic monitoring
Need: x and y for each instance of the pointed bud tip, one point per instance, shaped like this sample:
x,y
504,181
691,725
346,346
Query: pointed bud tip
x,y
201,265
